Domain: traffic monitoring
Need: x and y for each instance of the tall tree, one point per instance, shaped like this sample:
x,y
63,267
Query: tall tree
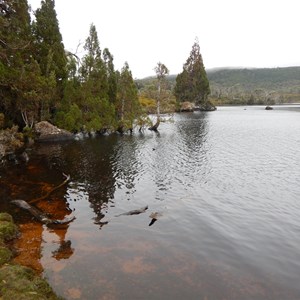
x,y
111,75
50,50
161,71
98,111
22,85
192,84
127,106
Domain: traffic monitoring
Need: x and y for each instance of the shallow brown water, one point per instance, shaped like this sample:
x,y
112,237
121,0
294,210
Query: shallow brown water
x,y
225,184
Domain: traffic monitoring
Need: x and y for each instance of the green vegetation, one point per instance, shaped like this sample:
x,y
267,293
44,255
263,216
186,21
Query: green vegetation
x,y
245,86
40,80
192,84
17,282
255,86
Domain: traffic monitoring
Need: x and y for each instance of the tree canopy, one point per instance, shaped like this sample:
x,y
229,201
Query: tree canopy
x,y
40,80
192,84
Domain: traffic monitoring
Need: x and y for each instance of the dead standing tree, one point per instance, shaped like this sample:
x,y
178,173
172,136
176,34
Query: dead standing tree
x,y
161,71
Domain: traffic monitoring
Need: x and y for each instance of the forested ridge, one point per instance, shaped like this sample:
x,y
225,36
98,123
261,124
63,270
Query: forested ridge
x,y
248,86
255,86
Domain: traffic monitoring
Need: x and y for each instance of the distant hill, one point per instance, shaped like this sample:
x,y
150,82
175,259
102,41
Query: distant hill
x,y
255,86
248,86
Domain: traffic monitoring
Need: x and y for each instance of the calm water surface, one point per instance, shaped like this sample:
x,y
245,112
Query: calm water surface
x,y
226,185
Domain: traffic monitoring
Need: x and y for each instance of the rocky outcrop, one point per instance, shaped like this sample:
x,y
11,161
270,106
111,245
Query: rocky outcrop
x,y
187,106
268,107
47,132
207,106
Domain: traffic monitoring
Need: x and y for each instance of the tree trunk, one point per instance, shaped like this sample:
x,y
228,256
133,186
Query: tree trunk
x,y
155,126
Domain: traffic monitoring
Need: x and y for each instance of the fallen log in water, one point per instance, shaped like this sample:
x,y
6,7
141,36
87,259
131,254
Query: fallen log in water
x,y
39,215
134,212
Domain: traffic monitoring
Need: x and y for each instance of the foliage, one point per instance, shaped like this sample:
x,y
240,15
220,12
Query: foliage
x,y
255,86
10,140
192,84
127,105
49,47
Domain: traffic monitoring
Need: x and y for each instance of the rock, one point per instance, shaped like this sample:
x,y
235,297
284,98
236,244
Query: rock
x,y
187,106
47,132
207,106
268,107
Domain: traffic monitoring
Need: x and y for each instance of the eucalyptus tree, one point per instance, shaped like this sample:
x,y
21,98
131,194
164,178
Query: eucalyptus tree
x,y
161,71
192,84
127,105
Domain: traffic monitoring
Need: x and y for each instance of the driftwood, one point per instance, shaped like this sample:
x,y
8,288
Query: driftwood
x,y
134,212
52,190
39,215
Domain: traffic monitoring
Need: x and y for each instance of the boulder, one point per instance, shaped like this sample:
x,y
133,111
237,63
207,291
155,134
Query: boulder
x,y
187,106
46,132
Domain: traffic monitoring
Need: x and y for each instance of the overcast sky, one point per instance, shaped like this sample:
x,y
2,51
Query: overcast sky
x,y
231,33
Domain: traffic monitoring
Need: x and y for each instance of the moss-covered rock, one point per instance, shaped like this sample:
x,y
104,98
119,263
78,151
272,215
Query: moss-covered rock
x,y
17,282
5,255
6,217
8,230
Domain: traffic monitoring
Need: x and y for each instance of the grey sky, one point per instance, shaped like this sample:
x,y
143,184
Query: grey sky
x,y
237,33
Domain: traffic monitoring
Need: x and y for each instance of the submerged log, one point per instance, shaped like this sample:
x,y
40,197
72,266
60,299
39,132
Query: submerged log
x,y
39,215
52,190
134,212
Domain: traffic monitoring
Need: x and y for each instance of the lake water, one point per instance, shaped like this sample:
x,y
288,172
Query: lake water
x,y
225,185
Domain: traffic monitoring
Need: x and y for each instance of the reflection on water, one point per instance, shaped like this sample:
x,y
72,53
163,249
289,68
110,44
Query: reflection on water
x,y
222,192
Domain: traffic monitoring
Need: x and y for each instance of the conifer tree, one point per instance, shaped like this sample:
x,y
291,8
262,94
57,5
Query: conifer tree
x,y
98,112
111,75
50,50
22,85
192,84
127,100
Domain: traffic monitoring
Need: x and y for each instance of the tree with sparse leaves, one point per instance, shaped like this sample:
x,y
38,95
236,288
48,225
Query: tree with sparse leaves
x,y
161,71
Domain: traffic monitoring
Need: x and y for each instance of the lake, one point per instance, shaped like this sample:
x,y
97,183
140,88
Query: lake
x,y
225,185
